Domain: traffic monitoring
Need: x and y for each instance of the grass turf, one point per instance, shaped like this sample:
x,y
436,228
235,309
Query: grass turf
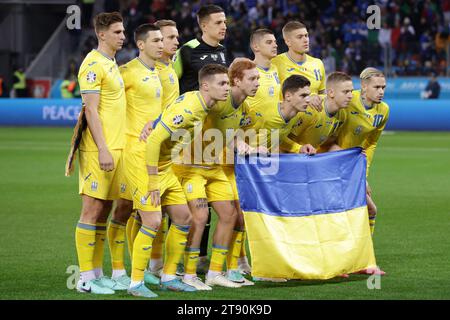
x,y
410,179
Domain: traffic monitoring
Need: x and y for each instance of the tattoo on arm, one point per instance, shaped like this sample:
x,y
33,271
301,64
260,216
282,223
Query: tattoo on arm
x,y
201,203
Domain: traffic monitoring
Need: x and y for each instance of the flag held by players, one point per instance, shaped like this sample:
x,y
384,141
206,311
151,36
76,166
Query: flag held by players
x,y
307,219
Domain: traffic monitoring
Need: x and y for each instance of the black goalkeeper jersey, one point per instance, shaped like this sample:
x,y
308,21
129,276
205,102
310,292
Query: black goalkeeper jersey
x,y
191,57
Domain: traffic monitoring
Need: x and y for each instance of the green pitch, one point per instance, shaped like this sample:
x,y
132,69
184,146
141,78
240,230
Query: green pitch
x,y
410,179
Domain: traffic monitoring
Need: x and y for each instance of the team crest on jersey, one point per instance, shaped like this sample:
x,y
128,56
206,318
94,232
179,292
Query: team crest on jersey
x,y
246,121
358,130
171,79
91,77
214,56
94,186
177,119
143,200
271,91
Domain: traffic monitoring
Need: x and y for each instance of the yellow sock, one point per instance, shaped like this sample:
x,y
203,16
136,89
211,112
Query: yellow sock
x,y
243,248
142,249
234,253
218,256
135,227
116,241
372,224
128,229
175,247
100,237
190,260
85,244
157,251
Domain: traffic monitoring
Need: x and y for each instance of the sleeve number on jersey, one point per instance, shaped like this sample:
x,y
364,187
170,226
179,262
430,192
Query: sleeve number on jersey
x,y
318,74
377,120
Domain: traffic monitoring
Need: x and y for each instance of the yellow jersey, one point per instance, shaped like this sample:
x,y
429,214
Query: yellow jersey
x,y
271,123
144,95
312,68
363,126
225,117
269,90
316,128
169,82
176,128
100,74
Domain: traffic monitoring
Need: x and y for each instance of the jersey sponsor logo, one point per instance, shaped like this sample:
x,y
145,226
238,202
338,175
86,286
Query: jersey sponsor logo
x,y
178,119
146,248
94,185
145,79
91,77
318,126
203,57
358,130
92,63
188,111
354,112
290,69
180,98
308,113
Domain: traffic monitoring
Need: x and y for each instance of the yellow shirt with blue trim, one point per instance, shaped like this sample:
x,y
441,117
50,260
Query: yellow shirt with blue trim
x,y
269,90
144,95
169,82
316,128
184,117
312,68
363,126
100,74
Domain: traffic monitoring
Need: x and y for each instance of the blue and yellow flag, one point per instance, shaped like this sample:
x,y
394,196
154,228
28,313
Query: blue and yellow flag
x,y
306,216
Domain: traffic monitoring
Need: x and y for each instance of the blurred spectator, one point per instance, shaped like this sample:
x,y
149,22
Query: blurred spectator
x,y
69,88
433,88
86,12
126,54
19,84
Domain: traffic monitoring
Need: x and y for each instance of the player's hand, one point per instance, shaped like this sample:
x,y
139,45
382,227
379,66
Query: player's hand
x,y
105,160
155,198
315,101
145,133
308,149
368,189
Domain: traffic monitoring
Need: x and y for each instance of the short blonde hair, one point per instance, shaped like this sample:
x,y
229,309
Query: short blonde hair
x,y
369,73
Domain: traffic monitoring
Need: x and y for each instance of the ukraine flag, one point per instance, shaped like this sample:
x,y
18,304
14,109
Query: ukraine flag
x,y
306,216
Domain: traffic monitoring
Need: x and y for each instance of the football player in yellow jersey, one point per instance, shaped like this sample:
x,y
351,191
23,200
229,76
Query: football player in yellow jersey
x,y
103,95
316,128
367,116
297,61
144,95
167,74
163,188
264,46
208,182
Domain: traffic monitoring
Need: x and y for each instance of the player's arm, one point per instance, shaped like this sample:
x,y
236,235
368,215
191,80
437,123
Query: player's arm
x,y
153,147
371,142
90,79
